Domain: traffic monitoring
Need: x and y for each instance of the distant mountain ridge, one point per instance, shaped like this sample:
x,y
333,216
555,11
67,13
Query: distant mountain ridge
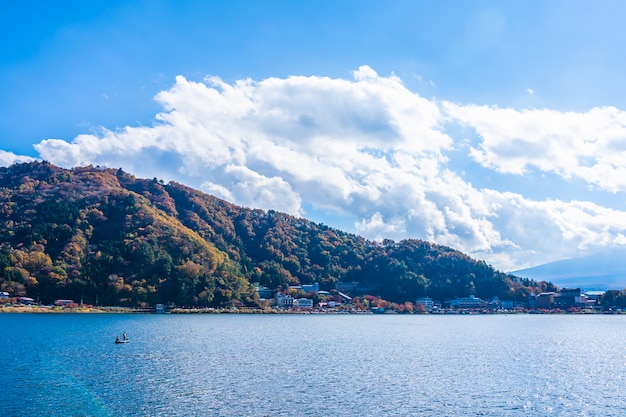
x,y
105,236
599,271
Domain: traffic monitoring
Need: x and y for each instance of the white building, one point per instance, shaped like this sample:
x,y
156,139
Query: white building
x,y
303,303
466,302
427,302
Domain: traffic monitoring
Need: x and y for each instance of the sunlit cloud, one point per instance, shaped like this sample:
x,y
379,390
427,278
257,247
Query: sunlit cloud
x,y
590,146
9,158
370,149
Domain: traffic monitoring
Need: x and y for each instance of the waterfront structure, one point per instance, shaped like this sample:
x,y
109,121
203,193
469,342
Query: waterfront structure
x,y
427,302
594,295
545,300
493,303
303,303
466,302
567,298
283,300
25,300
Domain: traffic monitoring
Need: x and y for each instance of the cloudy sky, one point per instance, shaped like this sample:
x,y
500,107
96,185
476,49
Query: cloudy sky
x,y
494,127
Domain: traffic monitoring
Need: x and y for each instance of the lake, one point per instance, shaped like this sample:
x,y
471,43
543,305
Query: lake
x,y
312,365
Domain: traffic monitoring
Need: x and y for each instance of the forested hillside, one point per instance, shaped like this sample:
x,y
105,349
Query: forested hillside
x,y
107,237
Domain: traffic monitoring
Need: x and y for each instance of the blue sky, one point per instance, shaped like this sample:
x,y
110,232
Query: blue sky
x,y
498,128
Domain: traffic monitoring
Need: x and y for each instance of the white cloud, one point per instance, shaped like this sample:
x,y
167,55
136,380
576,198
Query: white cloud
x,y
9,158
258,190
375,151
590,146
378,229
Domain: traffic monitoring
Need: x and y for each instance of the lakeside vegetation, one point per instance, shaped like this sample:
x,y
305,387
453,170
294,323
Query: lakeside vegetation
x,y
109,238
393,309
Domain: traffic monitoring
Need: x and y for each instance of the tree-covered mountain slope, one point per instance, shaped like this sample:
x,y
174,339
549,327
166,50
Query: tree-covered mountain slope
x,y
106,236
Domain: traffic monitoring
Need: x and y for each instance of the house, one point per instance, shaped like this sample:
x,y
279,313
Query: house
x,y
25,300
4,295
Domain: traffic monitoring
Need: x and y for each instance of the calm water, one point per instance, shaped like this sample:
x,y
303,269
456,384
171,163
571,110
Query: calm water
x,y
316,365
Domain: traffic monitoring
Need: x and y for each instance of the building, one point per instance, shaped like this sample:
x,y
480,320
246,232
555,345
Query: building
x,y
493,303
283,300
583,301
4,295
567,298
355,287
427,302
306,288
594,295
25,300
545,300
263,291
303,303
466,302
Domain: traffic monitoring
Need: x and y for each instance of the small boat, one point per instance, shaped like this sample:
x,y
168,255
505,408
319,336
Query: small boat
x,y
119,341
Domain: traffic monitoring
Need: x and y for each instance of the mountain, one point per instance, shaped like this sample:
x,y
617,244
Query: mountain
x,y
107,237
599,271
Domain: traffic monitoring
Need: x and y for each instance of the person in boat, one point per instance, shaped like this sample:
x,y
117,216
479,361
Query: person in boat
x,y
117,339
124,336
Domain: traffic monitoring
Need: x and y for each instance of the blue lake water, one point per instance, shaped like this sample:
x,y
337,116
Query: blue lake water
x,y
312,365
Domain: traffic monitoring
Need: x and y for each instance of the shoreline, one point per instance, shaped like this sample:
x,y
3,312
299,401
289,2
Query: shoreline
x,y
56,309
26,309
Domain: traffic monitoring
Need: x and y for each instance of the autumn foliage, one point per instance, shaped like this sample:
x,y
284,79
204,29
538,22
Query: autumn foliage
x,y
109,238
